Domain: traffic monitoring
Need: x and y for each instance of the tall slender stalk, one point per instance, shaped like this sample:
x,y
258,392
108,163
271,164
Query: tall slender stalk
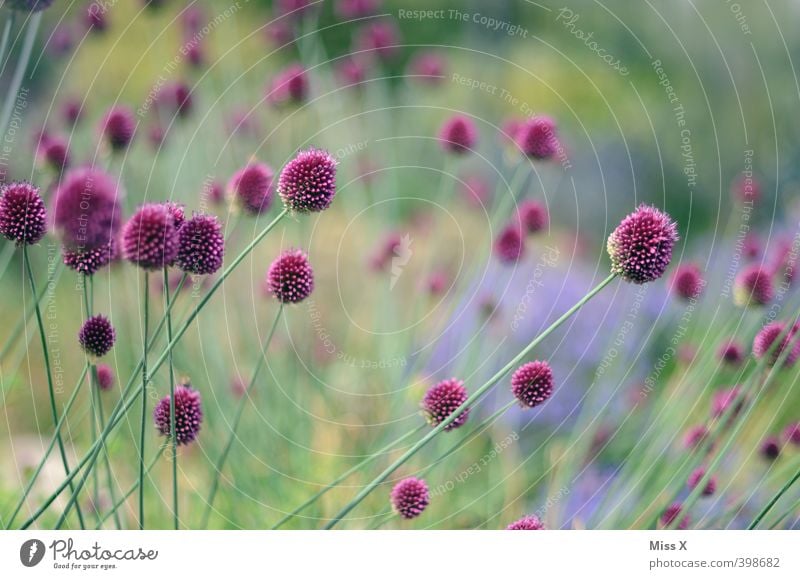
x,y
19,72
145,307
172,429
768,507
4,42
475,396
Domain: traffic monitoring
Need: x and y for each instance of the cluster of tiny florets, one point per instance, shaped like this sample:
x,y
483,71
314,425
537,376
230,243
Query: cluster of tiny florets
x,y
532,383
754,287
537,138
410,497
23,217
641,246
458,135
526,523
696,476
90,261
188,414
444,399
97,336
290,278
251,188
118,128
308,182
150,238
509,247
766,343
201,245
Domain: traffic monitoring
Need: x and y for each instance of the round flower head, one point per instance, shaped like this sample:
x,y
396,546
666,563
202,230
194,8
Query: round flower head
x,y
251,188
290,277
410,497
95,17
695,477
536,138
97,336
695,436
641,246
723,399
731,352
753,287
792,433
771,448
54,153
443,400
745,188
71,111
458,135
308,182
533,216
766,343
427,68
289,86
200,245
105,377
351,71
150,238
671,513
28,5
380,38
188,414
532,383
509,246
687,282
118,127
87,209
23,218
526,523
90,261
178,97
213,191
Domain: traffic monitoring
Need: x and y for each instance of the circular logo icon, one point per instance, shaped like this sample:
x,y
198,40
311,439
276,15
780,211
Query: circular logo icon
x,y
32,552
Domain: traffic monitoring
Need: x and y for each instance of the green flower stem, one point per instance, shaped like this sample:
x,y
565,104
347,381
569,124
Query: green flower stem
x,y
142,431
46,353
172,406
4,43
236,419
768,507
93,399
475,396
19,72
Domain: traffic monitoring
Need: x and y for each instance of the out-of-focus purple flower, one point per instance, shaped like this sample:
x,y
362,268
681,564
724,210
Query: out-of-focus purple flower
x,y
751,246
526,523
23,217
765,343
444,399
537,138
95,17
54,152
771,447
251,188
87,209
61,42
279,32
289,86
509,247
695,436
436,283
641,246
533,216
792,433
753,286
105,377
193,18
687,281
380,38
118,127
695,477
71,111
671,513
213,191
351,71
458,135
746,188
308,182
410,497
188,414
427,68
200,245
476,191
723,399
731,352
290,278
150,237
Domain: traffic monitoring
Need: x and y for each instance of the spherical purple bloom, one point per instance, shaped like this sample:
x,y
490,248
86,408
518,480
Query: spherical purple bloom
x,y
532,383
536,137
731,352
533,216
308,182
200,245
765,343
444,399
188,414
695,477
23,217
150,238
118,127
251,187
427,68
289,86
28,5
410,497
95,17
687,281
178,212
526,523
771,448
71,111
380,38
509,246
458,135
792,433
54,152
105,377
214,192
290,277
753,286
97,336
641,246
87,210
178,97
90,261
695,436
671,513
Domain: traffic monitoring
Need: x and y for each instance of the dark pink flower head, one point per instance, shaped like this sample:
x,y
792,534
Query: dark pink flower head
x,y
427,68
390,247
444,399
96,18
695,436
289,86
753,286
351,71
118,127
771,447
178,212
695,477
532,383
723,399
731,352
54,153
251,188
380,38
745,188
792,433
509,247
308,182
672,513
88,262
97,336
458,135
410,497
290,278
105,377
766,343
71,111
509,129
87,209
641,246
537,138
213,191
188,414
687,281
150,237
200,245
23,217
526,523
193,18
533,216
356,8
61,42
28,5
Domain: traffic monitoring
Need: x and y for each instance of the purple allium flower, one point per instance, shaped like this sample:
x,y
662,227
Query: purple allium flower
x,y
427,68
54,152
533,216
641,246
105,377
87,210
753,286
381,38
178,212
200,245
458,135
388,248
731,352
214,192
193,18
351,71
28,5
444,399
695,477
251,188
289,86
792,433
509,246
671,513
526,523
537,138
156,135
195,53
687,281
188,414
95,17
745,188
90,261
290,277
61,42
308,182
771,447
23,217
410,497
765,344
532,383
722,400
150,238
437,282
97,336
356,8
695,436
178,98
71,111
118,127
